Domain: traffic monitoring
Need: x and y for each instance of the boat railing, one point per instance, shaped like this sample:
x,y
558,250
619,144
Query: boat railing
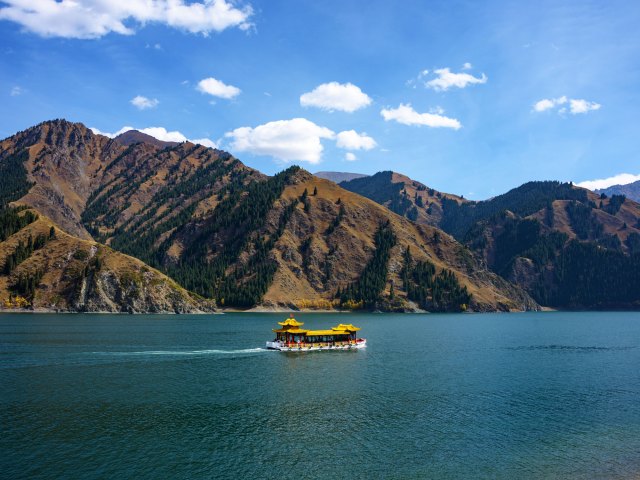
x,y
320,344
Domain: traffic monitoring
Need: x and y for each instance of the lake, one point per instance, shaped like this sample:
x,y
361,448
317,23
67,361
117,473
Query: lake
x,y
528,395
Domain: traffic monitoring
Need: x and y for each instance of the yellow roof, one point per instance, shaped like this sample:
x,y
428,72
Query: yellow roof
x,y
289,330
291,322
348,328
313,333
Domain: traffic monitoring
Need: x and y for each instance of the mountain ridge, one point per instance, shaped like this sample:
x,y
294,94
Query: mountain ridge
x,y
529,234
630,190
338,177
240,238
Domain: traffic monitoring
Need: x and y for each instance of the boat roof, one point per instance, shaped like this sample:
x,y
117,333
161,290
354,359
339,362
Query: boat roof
x,y
347,327
291,322
314,333
291,325
290,330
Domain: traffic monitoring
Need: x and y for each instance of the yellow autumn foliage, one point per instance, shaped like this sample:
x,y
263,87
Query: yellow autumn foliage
x,y
317,304
15,302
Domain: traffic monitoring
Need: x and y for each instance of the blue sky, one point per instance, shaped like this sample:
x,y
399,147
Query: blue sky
x,y
469,97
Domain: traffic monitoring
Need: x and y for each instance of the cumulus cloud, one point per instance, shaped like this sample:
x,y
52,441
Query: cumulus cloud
x,y
297,139
406,115
576,105
216,88
549,103
16,91
582,106
467,66
96,18
620,179
446,79
352,140
144,103
331,96
350,157
160,133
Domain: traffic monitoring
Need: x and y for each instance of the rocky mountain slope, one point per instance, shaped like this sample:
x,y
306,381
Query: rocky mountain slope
x,y
234,236
67,273
402,195
568,247
630,190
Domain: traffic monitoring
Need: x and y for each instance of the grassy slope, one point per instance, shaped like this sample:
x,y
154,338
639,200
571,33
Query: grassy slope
x,y
62,265
351,245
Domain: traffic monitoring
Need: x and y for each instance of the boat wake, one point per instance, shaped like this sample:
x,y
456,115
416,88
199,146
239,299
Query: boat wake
x,y
184,352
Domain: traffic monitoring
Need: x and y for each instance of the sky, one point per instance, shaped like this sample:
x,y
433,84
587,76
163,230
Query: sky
x,y
468,97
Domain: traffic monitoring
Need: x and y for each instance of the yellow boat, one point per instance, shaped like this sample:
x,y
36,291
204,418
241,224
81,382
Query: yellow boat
x,y
290,337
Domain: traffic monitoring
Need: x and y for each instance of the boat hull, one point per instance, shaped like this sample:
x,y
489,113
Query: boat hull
x,y
284,347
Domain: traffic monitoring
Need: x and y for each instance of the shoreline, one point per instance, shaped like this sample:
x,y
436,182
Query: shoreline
x,y
223,311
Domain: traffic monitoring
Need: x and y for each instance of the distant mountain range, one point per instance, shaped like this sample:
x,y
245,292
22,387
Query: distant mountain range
x,y
566,246
630,190
338,177
91,223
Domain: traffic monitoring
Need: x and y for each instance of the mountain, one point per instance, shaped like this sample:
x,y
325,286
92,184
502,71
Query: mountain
x,y
630,190
338,177
131,137
402,195
201,220
54,270
566,246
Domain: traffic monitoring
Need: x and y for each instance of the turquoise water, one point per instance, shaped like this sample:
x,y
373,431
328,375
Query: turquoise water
x,y
532,395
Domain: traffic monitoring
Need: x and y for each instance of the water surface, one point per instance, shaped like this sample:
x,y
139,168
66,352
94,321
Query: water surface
x,y
533,395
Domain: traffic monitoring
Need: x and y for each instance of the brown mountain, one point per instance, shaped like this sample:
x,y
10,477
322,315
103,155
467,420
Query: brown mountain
x,y
403,196
82,275
232,234
339,176
134,136
534,235
630,190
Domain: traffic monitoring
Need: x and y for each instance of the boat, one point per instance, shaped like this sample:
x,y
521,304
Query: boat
x,y
290,337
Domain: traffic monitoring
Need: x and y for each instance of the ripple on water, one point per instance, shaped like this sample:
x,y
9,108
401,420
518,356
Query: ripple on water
x,y
436,396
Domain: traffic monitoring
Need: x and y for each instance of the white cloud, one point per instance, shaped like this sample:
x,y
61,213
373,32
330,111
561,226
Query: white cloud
x,y
620,179
350,157
352,140
144,103
215,87
575,105
297,139
205,142
96,18
16,91
582,106
160,133
467,66
406,115
336,96
549,103
447,79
